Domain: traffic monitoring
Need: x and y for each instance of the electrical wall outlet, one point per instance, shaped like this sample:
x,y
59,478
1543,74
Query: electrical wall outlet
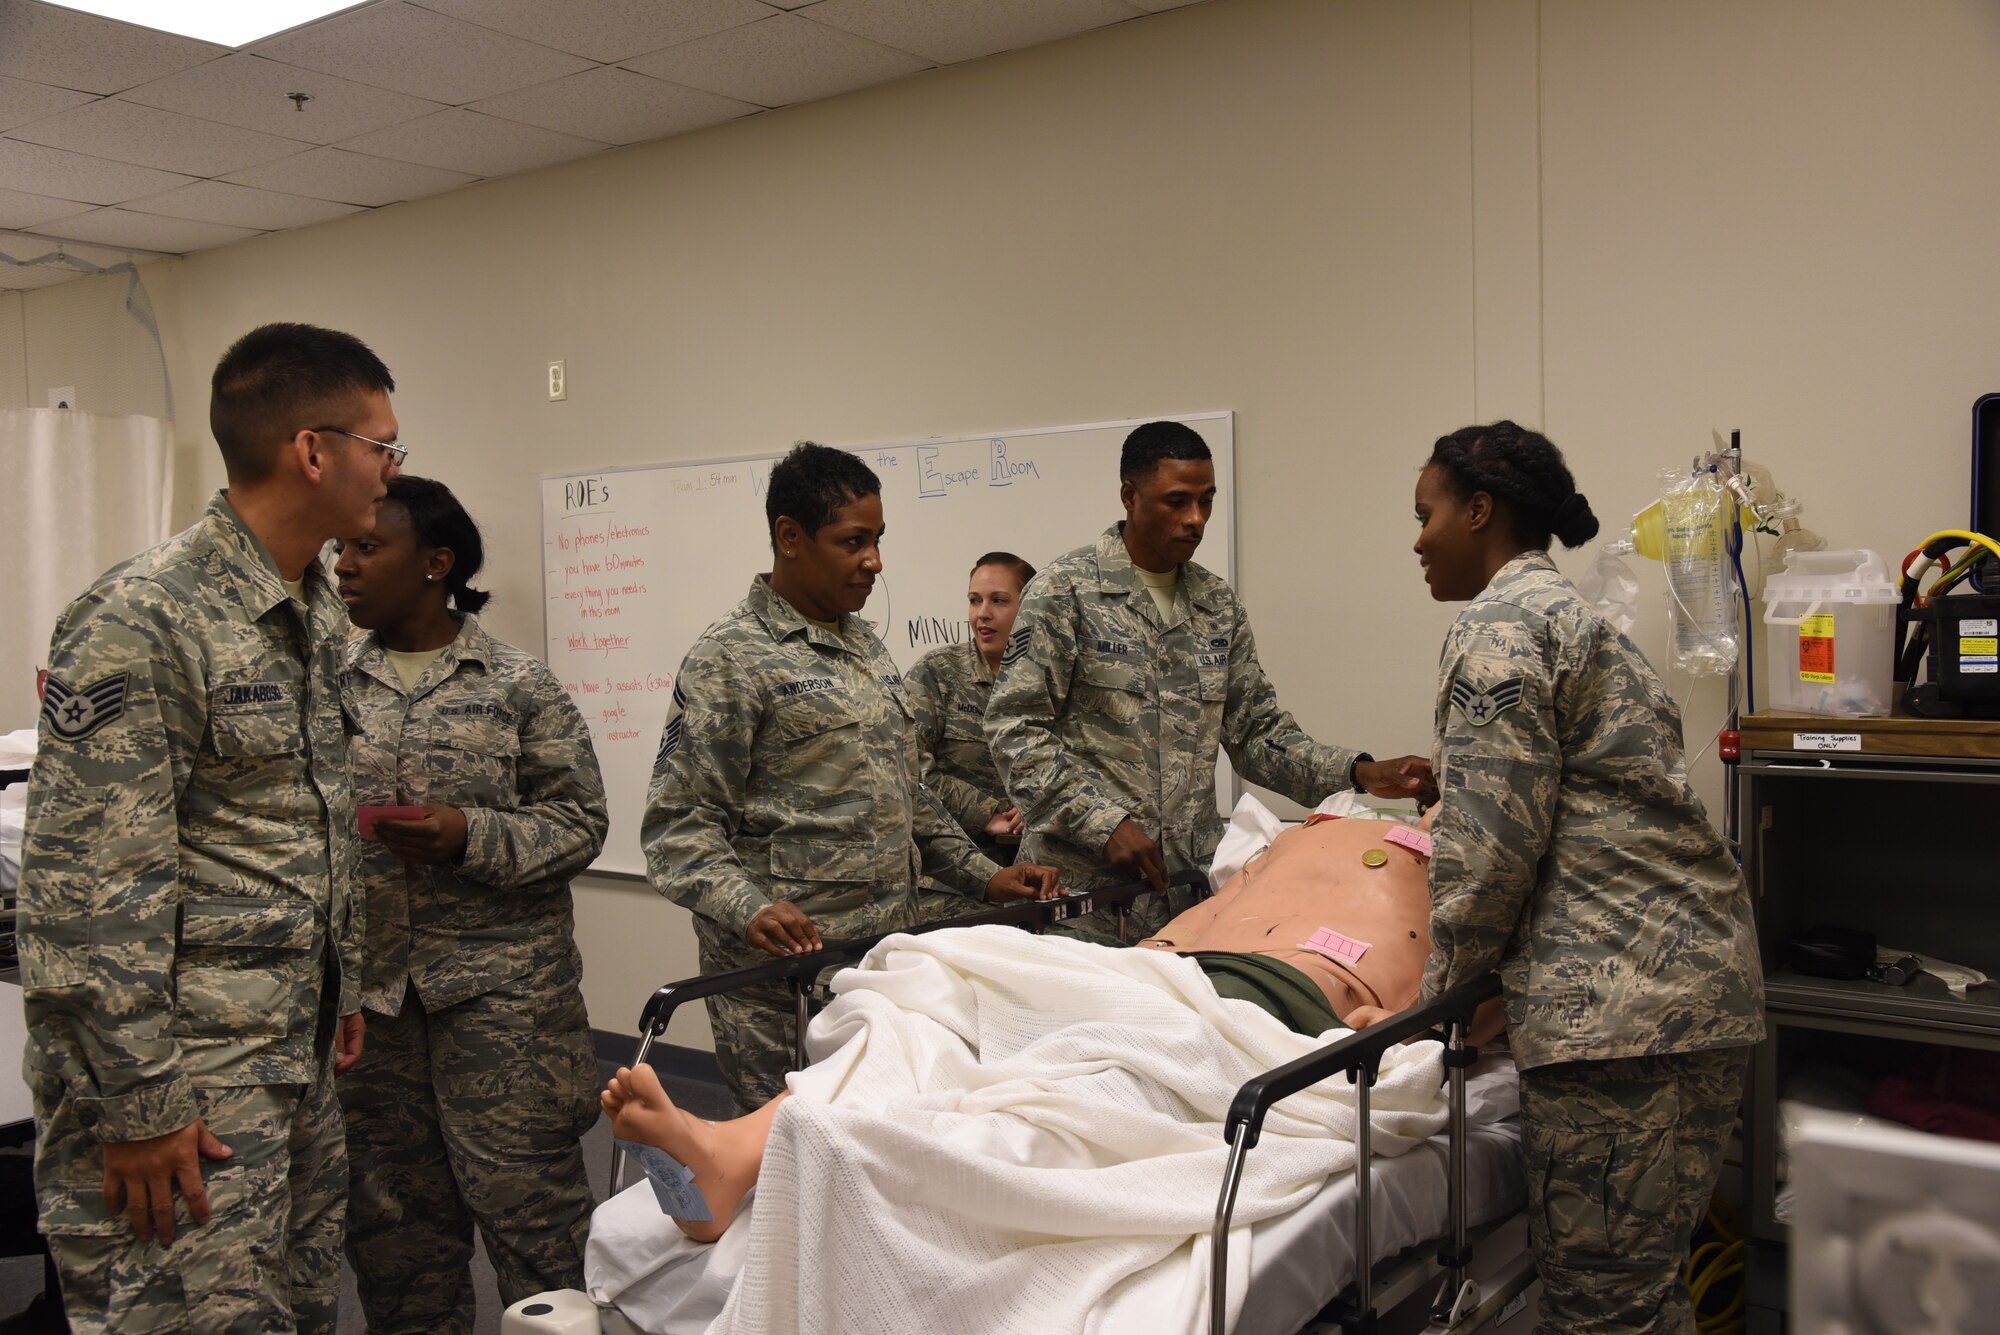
x,y
558,381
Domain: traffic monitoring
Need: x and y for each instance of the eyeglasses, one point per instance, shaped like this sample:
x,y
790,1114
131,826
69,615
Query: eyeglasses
x,y
401,452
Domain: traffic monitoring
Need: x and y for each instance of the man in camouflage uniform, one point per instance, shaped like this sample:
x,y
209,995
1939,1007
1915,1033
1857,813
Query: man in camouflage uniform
x,y
785,801
1571,854
1109,708
480,1077
189,938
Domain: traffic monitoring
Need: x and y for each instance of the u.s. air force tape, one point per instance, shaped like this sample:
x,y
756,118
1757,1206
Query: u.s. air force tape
x,y
673,1182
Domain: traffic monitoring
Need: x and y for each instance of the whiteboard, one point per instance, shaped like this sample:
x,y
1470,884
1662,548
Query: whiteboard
x,y
640,561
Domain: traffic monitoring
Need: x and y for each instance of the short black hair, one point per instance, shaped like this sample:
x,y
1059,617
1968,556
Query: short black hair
x,y
1149,444
813,481
280,379
1524,473
439,520
1006,561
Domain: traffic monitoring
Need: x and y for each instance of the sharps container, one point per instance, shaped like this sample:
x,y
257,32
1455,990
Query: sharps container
x,y
1832,643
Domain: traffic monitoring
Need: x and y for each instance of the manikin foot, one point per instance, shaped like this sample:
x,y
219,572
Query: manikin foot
x,y
725,1156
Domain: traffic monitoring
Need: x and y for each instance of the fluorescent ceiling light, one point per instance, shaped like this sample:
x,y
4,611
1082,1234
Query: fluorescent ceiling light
x,y
229,22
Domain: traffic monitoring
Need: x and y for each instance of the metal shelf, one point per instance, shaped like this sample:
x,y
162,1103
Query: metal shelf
x,y
1925,1002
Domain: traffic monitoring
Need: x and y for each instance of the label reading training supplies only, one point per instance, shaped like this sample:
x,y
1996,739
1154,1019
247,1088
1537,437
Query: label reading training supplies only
x,y
1816,648
1826,741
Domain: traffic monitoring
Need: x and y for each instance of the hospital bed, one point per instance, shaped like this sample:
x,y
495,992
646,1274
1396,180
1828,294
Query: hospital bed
x,y
1419,1217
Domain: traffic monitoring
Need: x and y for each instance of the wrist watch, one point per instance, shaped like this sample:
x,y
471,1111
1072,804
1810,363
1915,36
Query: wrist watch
x,y
1352,770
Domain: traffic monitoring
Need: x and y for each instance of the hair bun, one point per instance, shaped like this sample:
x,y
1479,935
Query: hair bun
x,y
1573,522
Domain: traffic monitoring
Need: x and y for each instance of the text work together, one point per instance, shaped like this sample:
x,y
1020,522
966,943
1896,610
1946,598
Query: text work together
x,y
639,561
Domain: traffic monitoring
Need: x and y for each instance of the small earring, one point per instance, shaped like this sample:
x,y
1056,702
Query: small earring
x,y
429,578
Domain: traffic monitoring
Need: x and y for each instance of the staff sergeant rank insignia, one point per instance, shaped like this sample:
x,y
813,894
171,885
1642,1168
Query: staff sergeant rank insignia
x,y
74,715
1482,707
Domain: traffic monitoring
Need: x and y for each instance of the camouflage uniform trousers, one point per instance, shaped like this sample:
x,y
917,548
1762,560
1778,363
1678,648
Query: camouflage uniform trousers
x,y
1622,1158
470,1115
755,1028
268,1260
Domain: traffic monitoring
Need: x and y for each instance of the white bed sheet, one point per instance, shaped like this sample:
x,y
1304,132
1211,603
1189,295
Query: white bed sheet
x,y
667,1285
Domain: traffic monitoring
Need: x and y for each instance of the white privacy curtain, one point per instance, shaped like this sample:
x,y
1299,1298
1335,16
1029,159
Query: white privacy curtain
x,y
79,492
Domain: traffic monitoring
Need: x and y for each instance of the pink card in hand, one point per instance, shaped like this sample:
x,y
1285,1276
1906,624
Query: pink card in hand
x,y
365,817
1341,949
1415,840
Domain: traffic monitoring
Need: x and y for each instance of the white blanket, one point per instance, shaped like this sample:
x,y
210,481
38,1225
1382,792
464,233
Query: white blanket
x,y
1005,1132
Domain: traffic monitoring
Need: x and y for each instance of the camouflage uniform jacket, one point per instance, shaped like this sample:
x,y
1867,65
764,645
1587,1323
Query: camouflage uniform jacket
x,y
788,771
948,690
1571,853
1105,711
488,730
189,851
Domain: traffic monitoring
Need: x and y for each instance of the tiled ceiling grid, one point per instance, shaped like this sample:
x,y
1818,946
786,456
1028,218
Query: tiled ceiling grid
x,y
138,143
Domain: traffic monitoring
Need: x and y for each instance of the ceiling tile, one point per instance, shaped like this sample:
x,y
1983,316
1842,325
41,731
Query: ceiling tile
x,y
614,106
951,33
46,44
25,245
605,30
21,101
51,171
461,140
19,209
423,54
240,206
785,59
127,132
351,178
253,93
150,231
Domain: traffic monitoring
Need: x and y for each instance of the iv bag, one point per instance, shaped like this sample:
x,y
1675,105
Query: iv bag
x,y
1701,591
1611,587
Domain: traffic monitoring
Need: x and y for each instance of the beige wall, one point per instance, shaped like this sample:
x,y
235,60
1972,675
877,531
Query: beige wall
x,y
1357,225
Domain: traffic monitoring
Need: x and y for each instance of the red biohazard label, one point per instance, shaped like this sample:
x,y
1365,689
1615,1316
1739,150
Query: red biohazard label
x,y
1816,658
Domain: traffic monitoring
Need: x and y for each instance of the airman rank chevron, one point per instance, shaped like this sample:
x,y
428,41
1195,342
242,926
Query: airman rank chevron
x,y
670,739
1480,708
74,715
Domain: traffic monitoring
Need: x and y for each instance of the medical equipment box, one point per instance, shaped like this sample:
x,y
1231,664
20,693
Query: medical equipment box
x,y
1963,660
1986,478
1833,634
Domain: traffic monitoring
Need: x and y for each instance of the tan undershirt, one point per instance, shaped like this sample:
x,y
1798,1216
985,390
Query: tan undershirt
x,y
1161,587
295,587
410,667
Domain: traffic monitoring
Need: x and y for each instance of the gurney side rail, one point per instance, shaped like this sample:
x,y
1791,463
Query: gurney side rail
x,y
798,972
1359,1057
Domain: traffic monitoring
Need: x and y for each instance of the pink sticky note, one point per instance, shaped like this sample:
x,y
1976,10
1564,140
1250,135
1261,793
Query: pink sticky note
x,y
1341,949
1415,840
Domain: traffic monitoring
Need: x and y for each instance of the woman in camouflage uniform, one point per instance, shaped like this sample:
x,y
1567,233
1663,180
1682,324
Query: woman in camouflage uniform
x,y
948,690
1573,856
476,1086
